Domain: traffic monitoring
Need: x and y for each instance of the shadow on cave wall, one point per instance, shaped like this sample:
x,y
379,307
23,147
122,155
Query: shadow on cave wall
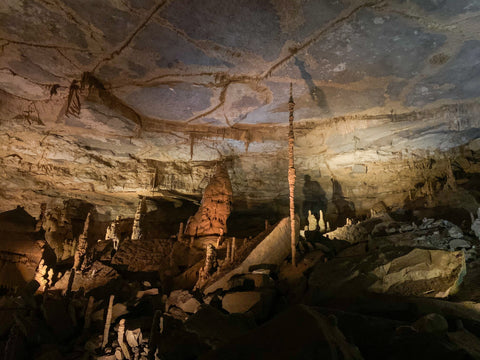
x,y
343,208
315,198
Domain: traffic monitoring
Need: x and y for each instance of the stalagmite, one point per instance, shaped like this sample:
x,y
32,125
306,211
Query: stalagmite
x,y
41,275
120,335
321,222
73,248
152,343
137,231
112,233
108,322
50,277
266,224
291,174
233,250
88,313
220,238
312,221
211,265
41,218
229,252
215,207
82,245
210,259
180,232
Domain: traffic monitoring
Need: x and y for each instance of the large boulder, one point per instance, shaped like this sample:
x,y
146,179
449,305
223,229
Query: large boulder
x,y
183,300
250,281
272,250
259,303
151,255
395,271
97,275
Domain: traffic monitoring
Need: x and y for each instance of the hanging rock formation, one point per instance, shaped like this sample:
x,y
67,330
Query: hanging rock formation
x,y
211,217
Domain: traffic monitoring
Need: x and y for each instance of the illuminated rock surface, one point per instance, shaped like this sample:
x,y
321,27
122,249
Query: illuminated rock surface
x,y
166,90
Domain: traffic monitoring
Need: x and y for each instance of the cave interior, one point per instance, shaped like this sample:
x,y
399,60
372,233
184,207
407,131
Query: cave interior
x,y
283,179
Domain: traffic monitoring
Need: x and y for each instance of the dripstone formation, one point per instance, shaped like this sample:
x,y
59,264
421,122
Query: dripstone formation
x,y
211,217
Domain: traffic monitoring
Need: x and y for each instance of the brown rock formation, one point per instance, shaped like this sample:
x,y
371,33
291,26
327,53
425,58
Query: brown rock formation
x,y
211,217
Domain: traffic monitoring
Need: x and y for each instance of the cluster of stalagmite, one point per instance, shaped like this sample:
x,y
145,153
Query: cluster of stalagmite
x,y
211,217
313,222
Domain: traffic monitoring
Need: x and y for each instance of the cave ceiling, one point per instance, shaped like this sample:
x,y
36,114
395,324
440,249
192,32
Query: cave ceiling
x,y
106,100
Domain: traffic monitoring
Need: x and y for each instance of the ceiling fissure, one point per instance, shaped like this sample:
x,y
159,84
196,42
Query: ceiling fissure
x,y
130,38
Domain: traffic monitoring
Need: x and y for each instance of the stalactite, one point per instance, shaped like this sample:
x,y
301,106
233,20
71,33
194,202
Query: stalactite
x,y
291,173
108,322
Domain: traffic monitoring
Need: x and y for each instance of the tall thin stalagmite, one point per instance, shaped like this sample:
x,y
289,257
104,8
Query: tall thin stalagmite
x,y
88,313
108,322
291,174
82,245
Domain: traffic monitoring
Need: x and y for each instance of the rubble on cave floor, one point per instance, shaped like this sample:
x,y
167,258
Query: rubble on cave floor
x,y
365,289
